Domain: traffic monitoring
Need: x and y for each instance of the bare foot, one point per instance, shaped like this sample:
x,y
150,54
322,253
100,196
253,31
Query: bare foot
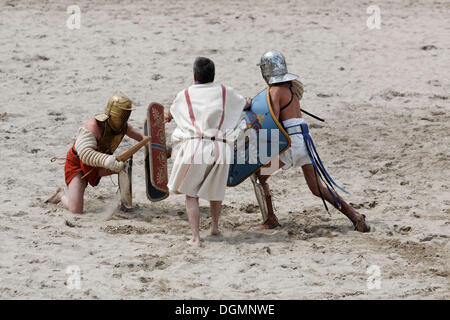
x,y
215,229
361,225
194,243
56,197
270,223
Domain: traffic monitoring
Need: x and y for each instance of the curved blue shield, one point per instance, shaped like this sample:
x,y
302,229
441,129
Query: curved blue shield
x,y
262,138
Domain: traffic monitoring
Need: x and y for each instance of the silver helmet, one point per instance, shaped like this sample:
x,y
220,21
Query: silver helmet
x,y
273,68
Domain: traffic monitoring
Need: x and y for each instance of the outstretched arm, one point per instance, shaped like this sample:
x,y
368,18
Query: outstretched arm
x,y
248,103
134,133
168,117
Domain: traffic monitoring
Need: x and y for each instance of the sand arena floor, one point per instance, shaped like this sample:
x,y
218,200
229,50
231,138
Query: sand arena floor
x,y
384,94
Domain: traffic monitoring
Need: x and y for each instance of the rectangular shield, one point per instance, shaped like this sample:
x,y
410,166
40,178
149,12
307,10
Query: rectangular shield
x,y
156,176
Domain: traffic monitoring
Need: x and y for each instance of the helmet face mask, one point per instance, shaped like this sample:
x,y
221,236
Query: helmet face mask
x,y
117,111
274,69
118,118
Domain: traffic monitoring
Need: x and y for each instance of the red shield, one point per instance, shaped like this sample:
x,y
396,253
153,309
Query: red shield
x,y
156,176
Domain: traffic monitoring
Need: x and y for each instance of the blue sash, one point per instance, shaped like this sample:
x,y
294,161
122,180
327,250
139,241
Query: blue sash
x,y
319,168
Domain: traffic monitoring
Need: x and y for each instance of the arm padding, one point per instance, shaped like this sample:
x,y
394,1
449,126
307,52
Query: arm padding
x,y
85,145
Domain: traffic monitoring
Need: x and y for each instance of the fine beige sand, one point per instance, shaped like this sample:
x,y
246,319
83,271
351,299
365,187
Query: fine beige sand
x,y
384,94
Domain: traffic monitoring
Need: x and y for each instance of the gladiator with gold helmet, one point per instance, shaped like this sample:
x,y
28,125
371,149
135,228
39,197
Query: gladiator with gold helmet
x,y
91,155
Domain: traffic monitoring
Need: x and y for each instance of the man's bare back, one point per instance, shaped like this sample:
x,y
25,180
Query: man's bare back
x,y
280,95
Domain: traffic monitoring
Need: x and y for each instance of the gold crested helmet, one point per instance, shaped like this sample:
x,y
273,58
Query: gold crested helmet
x,y
117,111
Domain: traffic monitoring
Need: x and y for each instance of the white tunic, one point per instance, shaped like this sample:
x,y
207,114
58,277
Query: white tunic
x,y
200,167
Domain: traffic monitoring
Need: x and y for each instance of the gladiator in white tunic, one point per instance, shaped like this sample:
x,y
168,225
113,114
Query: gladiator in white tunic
x,y
204,113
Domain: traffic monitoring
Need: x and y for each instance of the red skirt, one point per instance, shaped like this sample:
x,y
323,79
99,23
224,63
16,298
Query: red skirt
x,y
74,166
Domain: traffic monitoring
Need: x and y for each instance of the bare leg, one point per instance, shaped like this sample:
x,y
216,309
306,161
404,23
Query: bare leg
x,y
193,213
317,187
73,199
216,206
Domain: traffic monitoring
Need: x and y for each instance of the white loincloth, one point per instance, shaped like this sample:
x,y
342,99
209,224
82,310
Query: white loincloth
x,y
199,170
297,154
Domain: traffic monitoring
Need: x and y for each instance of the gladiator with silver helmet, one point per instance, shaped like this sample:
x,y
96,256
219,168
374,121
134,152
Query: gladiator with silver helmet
x,y
302,152
274,70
